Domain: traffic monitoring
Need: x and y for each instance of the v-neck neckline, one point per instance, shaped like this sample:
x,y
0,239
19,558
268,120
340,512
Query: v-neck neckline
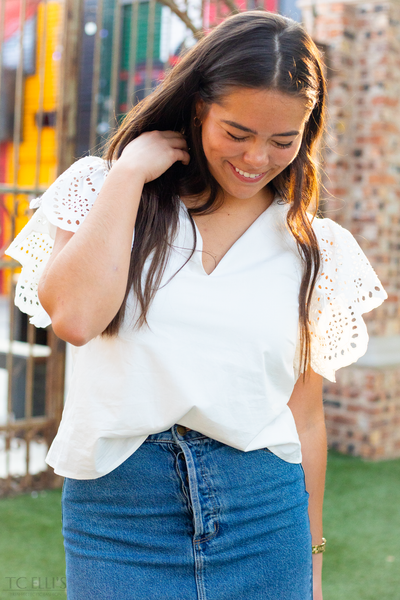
x,y
200,244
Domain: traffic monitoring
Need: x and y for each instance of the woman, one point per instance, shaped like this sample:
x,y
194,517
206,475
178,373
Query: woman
x,y
180,439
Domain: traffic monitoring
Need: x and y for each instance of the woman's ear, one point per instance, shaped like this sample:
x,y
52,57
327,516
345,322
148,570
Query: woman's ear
x,y
200,108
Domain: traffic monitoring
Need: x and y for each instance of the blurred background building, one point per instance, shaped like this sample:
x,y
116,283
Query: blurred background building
x,y
71,69
361,175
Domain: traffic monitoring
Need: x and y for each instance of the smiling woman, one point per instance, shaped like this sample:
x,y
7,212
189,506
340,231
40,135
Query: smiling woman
x,y
192,449
261,155
244,166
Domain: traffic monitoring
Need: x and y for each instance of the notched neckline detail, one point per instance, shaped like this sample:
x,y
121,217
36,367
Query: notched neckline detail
x,y
198,255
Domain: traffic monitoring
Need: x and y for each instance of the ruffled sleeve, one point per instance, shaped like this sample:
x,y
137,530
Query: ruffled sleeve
x,y
65,205
347,287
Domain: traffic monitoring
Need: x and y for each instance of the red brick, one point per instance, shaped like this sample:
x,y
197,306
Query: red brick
x,y
360,190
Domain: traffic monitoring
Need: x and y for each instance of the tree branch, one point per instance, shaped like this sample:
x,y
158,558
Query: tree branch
x,y
198,33
232,6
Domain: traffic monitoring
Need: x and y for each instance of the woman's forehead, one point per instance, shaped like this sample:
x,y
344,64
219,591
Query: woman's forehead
x,y
257,110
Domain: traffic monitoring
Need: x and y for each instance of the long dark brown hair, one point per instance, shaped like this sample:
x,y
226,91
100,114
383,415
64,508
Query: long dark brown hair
x,y
257,50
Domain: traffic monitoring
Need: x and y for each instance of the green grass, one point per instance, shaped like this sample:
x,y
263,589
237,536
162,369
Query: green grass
x,y
31,547
362,527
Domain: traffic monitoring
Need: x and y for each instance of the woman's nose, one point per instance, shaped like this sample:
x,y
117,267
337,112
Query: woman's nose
x,y
256,156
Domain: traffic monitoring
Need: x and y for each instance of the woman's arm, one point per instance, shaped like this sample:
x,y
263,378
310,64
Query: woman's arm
x,y
308,412
84,283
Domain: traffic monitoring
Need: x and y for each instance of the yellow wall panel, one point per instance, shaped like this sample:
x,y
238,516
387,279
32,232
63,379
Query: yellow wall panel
x,y
48,143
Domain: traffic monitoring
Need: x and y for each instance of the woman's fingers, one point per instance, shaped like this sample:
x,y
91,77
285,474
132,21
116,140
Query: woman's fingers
x,y
172,134
154,152
184,157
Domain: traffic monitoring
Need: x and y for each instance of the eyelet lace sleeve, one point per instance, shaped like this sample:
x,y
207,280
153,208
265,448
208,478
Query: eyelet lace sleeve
x,y
347,287
65,205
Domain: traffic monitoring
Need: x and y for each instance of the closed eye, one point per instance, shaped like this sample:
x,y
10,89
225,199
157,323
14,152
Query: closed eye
x,y
242,139
284,145
237,139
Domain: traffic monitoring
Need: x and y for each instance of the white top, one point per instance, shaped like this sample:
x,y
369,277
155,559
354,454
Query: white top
x,y
220,354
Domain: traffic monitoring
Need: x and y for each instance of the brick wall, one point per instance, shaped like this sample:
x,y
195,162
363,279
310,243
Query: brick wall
x,y
363,412
362,181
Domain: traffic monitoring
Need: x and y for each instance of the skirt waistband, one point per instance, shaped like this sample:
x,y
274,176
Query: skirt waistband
x,y
176,433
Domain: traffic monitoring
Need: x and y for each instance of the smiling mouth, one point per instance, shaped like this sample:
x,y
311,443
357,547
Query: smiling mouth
x,y
243,175
249,175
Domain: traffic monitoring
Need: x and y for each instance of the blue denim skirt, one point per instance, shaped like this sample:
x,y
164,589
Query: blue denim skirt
x,y
188,517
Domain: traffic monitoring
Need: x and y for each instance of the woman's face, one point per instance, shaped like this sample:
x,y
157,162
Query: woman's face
x,y
249,137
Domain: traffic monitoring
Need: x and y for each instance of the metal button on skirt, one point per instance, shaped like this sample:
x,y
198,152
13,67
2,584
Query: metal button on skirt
x,y
188,517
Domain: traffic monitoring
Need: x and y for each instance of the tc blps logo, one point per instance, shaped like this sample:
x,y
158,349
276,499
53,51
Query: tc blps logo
x,y
21,584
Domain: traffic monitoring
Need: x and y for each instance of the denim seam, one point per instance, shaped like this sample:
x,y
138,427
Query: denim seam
x,y
215,511
199,572
194,495
171,440
183,495
209,536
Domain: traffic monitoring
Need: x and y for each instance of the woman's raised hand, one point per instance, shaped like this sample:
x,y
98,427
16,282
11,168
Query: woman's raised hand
x,y
84,282
153,152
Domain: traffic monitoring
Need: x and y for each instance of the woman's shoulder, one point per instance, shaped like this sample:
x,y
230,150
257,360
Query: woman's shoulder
x,y
68,200
65,204
335,241
325,226
341,253
345,266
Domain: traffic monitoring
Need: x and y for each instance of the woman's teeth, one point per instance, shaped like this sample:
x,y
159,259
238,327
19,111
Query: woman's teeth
x,y
250,176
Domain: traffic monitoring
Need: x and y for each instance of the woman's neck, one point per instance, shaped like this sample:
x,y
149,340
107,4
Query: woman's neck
x,y
228,204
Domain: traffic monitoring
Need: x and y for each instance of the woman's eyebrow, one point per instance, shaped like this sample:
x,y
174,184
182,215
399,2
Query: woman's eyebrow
x,y
286,133
238,126
243,128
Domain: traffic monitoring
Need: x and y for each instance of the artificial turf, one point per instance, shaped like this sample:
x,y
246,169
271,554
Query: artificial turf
x,y
32,561
362,528
361,525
